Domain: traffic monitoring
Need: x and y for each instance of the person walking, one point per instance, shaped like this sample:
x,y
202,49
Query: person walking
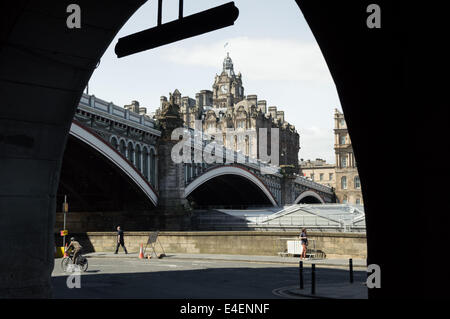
x,y
304,243
120,241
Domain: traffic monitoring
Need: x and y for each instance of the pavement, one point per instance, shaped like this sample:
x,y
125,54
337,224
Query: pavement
x,y
325,288
357,263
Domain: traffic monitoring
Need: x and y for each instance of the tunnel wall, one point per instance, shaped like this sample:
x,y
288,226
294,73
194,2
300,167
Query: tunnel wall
x,y
44,68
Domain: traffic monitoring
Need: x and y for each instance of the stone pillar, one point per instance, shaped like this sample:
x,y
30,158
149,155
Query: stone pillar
x,y
172,204
288,185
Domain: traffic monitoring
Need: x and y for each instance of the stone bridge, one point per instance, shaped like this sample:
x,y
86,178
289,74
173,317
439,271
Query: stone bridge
x,y
135,145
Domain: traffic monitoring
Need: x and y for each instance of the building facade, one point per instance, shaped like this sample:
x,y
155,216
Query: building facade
x,y
227,109
319,171
348,184
342,176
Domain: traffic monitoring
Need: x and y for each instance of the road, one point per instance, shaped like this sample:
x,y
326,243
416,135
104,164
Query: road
x,y
194,279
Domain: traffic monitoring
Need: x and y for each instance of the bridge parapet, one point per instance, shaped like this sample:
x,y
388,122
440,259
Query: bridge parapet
x,y
313,185
108,110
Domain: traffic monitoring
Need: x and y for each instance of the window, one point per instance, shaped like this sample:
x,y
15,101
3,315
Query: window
x,y
342,123
357,182
344,161
247,145
358,201
330,176
344,200
344,182
241,124
321,176
342,139
312,176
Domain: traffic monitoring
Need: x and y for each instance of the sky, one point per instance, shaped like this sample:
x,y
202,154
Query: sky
x,y
270,43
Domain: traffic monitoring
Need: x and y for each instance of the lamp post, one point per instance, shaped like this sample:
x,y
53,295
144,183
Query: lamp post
x,y
65,209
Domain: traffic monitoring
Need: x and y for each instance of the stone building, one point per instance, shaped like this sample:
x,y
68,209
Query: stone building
x,y
226,108
342,176
136,108
319,171
348,185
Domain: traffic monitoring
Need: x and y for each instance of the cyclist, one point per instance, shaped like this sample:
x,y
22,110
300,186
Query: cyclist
x,y
76,248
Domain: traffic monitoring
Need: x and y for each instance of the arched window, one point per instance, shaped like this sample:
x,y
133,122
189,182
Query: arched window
x,y
138,159
122,148
152,167
130,152
357,182
114,143
145,162
344,182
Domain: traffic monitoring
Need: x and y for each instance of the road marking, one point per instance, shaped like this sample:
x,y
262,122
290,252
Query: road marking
x,y
281,292
164,265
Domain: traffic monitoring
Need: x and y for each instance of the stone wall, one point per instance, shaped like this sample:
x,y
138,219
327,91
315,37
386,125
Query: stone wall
x,y
332,245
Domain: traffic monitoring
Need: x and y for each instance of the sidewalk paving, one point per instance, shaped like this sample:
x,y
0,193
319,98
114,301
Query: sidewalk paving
x,y
324,288
357,263
338,290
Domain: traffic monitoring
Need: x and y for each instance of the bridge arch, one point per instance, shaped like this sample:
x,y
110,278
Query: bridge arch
x,y
309,194
113,138
90,138
229,170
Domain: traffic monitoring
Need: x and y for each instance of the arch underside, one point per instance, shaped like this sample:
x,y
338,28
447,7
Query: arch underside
x,y
309,197
229,187
113,176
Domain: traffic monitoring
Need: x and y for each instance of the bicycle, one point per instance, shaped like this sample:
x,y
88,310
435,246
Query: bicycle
x,y
80,261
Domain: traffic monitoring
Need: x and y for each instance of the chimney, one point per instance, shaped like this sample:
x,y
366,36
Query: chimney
x,y
280,116
273,111
262,106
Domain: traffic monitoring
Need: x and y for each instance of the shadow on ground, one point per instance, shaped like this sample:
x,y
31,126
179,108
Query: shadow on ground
x,y
211,283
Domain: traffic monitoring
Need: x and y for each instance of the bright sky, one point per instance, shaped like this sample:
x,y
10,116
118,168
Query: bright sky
x,y
270,44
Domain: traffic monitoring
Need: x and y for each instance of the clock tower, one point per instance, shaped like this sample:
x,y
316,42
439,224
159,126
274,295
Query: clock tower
x,y
227,87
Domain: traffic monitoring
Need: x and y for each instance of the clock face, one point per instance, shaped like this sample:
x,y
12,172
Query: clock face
x,y
224,88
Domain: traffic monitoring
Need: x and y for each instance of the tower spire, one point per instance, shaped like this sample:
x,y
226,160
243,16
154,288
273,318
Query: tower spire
x,y
228,65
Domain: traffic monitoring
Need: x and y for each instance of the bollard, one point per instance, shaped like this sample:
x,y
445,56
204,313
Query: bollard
x,y
350,262
301,274
313,279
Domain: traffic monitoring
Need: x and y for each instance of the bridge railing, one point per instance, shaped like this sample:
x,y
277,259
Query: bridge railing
x,y
310,184
109,110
